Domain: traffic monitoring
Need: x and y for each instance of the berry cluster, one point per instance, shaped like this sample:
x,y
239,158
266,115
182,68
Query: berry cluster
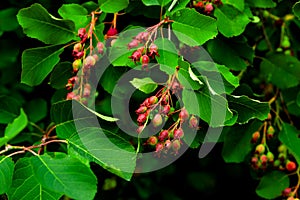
x,y
159,109
145,52
206,6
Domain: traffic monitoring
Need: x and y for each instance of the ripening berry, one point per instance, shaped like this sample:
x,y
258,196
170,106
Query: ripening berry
x,y
282,148
141,110
136,55
153,50
255,136
152,140
112,32
89,61
142,118
70,95
76,65
81,32
166,109
87,90
193,122
208,8
176,145
271,130
144,60
168,144
77,47
286,192
263,159
159,146
291,166
270,156
183,115
178,133
153,100
260,149
163,135
78,55
157,120
100,47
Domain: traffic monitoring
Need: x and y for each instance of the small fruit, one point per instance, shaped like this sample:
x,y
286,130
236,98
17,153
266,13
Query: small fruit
x,y
276,163
183,115
152,140
142,118
112,32
135,56
263,159
76,65
286,192
81,32
168,144
87,90
176,145
157,120
193,122
208,8
163,135
291,166
166,109
133,43
89,61
282,148
260,149
141,110
153,50
153,100
270,156
159,147
144,60
100,47
255,136
178,133
77,47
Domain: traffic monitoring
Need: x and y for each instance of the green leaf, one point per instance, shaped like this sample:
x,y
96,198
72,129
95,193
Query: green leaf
x,y
110,77
146,85
156,2
281,70
87,139
168,54
233,53
237,142
38,23
289,136
239,4
113,6
193,28
105,148
36,109
272,184
230,21
9,109
296,9
77,13
26,186
8,20
14,128
60,75
65,175
219,76
6,173
37,63
211,108
291,99
261,4
248,108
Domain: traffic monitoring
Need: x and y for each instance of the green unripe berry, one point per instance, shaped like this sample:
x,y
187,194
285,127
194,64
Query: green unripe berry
x,y
286,42
282,148
270,156
260,149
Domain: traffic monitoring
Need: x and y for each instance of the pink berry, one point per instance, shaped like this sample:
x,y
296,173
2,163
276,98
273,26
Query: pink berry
x,y
208,8
157,120
166,109
100,47
178,133
183,115
163,135
133,43
81,32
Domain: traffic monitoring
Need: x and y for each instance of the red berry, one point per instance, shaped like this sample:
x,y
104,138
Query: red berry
x,y
286,192
199,4
145,60
163,135
255,136
159,147
152,140
263,159
141,110
153,100
100,47
81,32
208,8
136,55
178,133
157,120
291,166
112,32
166,109
78,55
183,115
70,95
142,118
